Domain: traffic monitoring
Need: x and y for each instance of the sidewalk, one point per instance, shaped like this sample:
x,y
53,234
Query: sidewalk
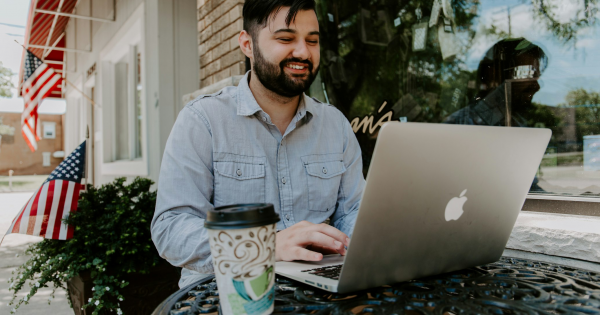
x,y
12,255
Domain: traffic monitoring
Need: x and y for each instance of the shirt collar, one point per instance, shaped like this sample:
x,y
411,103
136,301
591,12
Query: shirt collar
x,y
247,105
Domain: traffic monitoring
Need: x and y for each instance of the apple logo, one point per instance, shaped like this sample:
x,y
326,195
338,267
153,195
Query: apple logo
x,y
454,208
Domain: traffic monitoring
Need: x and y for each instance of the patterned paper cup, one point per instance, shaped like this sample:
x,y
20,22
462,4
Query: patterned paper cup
x,y
242,243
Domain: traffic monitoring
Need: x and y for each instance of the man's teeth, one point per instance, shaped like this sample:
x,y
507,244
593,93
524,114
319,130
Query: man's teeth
x,y
296,67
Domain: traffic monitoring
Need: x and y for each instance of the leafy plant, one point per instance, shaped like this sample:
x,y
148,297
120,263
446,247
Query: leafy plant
x,y
111,239
5,81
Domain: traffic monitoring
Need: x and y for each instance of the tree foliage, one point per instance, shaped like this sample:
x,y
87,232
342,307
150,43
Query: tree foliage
x,y
112,239
587,111
5,81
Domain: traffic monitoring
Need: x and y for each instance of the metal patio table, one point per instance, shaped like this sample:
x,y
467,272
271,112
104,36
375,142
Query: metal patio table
x,y
508,286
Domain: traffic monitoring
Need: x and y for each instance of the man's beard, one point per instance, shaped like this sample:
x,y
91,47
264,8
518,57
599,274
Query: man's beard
x,y
274,78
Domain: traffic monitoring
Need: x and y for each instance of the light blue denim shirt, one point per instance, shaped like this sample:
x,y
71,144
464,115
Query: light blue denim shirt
x,y
224,149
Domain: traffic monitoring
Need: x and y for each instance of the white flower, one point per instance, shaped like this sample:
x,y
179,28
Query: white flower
x,y
93,288
123,281
37,284
59,258
89,300
119,312
97,302
21,277
121,299
103,269
25,298
107,289
13,310
29,267
17,255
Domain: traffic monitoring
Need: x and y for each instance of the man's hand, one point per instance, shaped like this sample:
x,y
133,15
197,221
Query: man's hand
x,y
299,241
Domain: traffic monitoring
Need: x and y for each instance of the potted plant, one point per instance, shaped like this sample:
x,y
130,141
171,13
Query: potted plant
x,y
110,264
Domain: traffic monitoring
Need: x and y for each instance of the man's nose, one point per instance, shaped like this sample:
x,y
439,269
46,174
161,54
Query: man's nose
x,y
301,50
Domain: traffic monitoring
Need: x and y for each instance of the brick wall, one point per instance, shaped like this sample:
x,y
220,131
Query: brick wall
x,y
15,154
219,24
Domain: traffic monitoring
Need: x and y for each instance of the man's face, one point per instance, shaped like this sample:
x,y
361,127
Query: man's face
x,y
286,57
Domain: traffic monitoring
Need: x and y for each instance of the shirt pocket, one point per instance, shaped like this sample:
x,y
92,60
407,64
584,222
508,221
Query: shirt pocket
x,y
239,180
324,174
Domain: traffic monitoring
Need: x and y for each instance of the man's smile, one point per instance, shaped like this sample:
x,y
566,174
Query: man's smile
x,y
297,68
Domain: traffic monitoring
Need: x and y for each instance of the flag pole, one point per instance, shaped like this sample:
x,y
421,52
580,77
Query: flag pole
x,y
72,85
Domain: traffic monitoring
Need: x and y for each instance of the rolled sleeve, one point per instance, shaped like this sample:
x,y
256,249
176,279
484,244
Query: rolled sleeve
x,y
352,183
185,187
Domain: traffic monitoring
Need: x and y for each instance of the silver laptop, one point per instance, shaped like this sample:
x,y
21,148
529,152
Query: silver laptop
x,y
438,198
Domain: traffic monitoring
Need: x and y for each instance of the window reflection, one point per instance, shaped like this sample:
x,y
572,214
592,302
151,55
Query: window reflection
x,y
507,63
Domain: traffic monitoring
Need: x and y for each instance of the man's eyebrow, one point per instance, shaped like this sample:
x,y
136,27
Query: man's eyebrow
x,y
285,30
293,31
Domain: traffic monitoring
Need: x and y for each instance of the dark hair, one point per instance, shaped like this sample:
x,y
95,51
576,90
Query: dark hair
x,y
257,12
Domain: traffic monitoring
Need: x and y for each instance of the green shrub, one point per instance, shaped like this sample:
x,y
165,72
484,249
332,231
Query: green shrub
x,y
111,239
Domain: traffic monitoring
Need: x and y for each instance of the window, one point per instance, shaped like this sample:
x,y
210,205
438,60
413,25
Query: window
x,y
122,96
46,159
49,130
500,63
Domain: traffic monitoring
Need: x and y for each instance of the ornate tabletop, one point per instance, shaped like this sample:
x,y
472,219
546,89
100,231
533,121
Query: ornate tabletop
x,y
508,286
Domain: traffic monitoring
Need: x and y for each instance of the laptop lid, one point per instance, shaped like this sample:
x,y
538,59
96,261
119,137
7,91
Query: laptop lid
x,y
439,198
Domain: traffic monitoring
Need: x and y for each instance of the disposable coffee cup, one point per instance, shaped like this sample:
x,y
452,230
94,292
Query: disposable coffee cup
x,y
242,245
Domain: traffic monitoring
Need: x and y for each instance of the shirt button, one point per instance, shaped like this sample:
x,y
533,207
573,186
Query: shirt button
x,y
264,118
239,172
287,217
283,180
324,170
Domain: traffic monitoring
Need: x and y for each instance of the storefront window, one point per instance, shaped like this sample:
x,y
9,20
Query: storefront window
x,y
506,63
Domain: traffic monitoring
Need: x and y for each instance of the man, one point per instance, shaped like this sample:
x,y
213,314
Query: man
x,y
263,141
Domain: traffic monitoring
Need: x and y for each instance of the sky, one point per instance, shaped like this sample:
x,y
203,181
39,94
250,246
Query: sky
x,y
13,18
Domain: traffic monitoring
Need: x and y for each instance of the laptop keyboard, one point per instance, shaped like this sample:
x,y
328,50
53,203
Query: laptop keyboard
x,y
331,272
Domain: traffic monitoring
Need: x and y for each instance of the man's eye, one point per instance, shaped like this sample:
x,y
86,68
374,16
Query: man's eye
x,y
313,41
285,39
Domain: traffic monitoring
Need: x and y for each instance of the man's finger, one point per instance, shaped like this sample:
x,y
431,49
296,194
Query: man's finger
x,y
333,232
305,254
323,240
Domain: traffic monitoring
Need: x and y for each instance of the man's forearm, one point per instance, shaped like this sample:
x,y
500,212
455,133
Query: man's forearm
x,y
182,240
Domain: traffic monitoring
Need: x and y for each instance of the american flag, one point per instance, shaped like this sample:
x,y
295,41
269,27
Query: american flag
x,y
42,215
39,80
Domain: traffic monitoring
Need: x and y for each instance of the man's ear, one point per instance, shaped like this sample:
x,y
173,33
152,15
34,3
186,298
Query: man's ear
x,y
245,41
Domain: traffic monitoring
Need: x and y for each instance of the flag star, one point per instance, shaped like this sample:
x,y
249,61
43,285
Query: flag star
x,y
68,175
77,168
68,167
64,171
79,148
77,161
72,172
77,154
75,176
51,177
72,164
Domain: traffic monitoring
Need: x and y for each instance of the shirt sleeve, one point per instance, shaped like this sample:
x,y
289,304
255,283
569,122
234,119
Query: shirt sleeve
x,y
352,183
185,187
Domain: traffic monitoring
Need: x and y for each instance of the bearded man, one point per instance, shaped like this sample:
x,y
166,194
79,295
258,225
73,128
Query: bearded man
x,y
262,141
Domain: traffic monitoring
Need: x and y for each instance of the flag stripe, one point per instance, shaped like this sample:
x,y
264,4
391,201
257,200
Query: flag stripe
x,y
68,203
74,200
61,207
26,225
55,203
47,209
41,209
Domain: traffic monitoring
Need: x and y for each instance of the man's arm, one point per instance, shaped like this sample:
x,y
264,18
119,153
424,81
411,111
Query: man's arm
x,y
352,184
185,187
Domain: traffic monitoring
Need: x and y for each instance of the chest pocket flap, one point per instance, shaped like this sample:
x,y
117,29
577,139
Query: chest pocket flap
x,y
326,169
240,170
